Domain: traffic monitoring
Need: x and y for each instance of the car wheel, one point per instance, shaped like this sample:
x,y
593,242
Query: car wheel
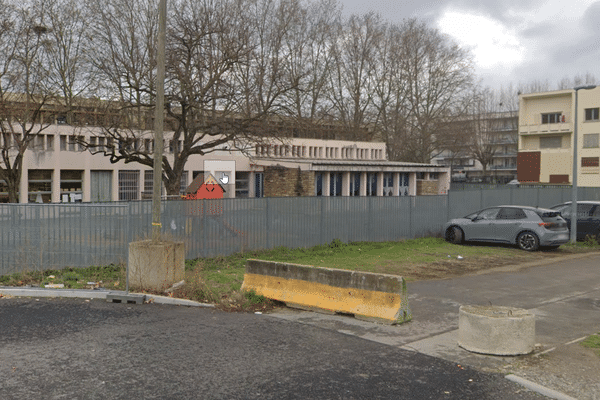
x,y
454,235
528,241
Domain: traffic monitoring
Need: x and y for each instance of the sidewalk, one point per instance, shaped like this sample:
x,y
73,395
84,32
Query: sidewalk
x,y
101,294
563,295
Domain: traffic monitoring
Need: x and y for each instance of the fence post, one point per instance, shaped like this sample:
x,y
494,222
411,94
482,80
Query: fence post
x,y
322,199
267,232
410,217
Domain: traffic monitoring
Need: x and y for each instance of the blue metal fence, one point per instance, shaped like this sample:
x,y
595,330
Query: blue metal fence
x,y
55,236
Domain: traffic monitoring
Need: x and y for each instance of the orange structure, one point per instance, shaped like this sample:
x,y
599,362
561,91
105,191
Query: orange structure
x,y
204,189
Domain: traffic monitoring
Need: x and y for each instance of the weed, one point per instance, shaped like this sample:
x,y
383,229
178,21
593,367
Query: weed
x,y
591,241
592,342
254,298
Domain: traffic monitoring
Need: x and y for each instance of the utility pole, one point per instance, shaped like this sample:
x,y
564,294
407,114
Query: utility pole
x,y
575,167
159,119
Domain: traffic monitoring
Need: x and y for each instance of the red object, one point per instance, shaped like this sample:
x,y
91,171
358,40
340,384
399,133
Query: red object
x,y
209,189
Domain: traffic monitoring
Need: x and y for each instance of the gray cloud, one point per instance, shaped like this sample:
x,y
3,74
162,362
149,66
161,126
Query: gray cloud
x,y
555,49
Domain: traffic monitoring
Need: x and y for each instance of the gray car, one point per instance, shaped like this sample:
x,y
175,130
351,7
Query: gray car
x,y
528,227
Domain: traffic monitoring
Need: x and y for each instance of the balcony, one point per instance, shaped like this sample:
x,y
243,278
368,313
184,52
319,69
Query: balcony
x,y
541,129
502,167
505,154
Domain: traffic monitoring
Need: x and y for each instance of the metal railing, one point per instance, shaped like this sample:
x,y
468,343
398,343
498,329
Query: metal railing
x,y
56,236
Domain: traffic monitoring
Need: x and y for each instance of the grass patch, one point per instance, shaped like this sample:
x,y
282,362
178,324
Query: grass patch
x,y
218,280
110,276
592,342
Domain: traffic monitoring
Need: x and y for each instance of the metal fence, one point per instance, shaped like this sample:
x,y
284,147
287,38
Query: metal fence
x,y
55,236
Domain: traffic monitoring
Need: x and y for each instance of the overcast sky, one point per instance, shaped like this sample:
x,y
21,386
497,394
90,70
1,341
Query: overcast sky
x,y
516,41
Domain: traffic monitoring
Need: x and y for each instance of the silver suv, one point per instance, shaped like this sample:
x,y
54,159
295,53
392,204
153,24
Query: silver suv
x,y
528,227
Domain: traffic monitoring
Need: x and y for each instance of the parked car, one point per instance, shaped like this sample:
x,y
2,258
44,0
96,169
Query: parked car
x,y
588,217
528,227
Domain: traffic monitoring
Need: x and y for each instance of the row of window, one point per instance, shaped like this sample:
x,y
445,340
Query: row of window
x,y
335,184
319,152
43,142
591,114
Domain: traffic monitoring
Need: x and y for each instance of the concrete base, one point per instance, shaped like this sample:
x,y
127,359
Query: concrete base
x,y
156,265
501,331
125,298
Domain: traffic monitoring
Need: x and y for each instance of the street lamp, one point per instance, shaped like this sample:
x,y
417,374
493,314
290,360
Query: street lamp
x,y
575,162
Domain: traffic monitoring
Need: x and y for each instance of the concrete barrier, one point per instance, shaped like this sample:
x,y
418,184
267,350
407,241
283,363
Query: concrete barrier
x,y
372,297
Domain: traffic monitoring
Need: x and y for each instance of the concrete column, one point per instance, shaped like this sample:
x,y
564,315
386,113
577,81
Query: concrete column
x,y
345,183
55,197
86,185
24,185
251,184
363,183
412,184
115,185
326,183
396,188
380,184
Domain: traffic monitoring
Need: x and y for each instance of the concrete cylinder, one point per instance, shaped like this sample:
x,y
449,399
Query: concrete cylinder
x,y
495,330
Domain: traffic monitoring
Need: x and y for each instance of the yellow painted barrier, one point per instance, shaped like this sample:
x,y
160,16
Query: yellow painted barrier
x,y
373,297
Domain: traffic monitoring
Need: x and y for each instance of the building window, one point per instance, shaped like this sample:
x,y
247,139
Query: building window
x,y
587,162
71,183
552,118
355,184
421,176
388,184
148,185
590,140
372,184
551,142
259,184
591,114
129,185
40,186
335,184
183,183
50,142
242,184
318,184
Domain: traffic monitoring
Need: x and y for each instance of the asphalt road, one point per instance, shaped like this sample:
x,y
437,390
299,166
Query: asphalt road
x,y
77,349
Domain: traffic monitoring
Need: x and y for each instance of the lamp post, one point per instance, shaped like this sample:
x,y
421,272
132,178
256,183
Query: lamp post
x,y
159,121
575,165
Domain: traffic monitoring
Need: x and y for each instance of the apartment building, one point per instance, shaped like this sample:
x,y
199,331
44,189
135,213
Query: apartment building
x,y
495,137
546,137
56,169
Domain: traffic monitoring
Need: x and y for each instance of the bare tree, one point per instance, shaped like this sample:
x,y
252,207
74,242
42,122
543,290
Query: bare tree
x,y
437,78
308,44
23,92
70,74
352,75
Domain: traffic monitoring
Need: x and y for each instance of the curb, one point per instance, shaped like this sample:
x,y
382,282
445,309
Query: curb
x,y
95,294
544,391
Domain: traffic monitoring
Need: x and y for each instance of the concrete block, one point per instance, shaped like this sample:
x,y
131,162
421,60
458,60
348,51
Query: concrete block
x,y
495,330
156,265
125,298
372,297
